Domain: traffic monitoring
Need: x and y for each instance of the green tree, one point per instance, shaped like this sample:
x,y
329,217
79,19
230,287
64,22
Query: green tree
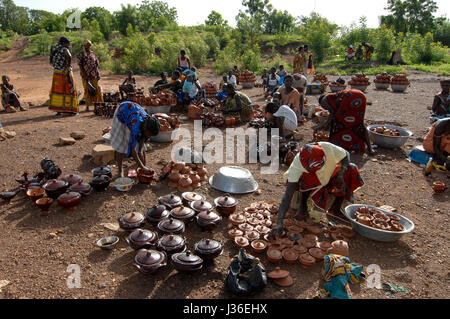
x,y
250,22
127,15
104,18
215,19
442,33
279,22
156,15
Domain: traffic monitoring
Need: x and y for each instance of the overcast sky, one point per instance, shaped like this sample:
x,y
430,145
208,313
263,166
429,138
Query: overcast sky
x,y
193,12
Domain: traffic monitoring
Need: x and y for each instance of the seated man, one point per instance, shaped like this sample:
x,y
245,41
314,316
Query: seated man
x,y
283,118
174,84
191,90
437,142
350,53
128,86
441,103
163,81
290,96
10,98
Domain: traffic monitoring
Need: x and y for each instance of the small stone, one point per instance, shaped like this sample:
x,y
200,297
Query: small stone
x,y
258,192
52,235
78,135
90,235
103,154
67,141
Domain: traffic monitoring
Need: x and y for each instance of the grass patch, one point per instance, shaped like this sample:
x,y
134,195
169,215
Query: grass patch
x,y
440,69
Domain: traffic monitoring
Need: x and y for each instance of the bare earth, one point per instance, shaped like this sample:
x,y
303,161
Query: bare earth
x,y
35,264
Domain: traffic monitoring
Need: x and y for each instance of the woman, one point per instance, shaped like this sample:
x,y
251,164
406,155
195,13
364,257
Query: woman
x,y
290,96
128,86
174,84
299,61
237,103
441,103
309,66
319,170
192,89
63,93
9,96
183,61
347,109
90,75
437,142
131,128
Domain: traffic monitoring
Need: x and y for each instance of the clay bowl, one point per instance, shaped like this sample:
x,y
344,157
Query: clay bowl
x,y
145,178
290,255
364,219
285,282
44,205
241,242
396,226
236,219
324,245
69,199
35,194
274,255
233,233
307,243
259,246
278,274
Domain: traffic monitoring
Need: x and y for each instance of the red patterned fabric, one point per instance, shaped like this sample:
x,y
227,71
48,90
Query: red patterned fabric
x,y
348,126
89,63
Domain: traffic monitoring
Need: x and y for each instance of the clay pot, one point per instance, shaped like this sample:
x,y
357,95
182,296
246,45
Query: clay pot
x,y
382,216
274,255
236,219
172,244
156,214
363,210
439,187
226,205
338,236
189,197
259,246
278,274
183,213
381,224
364,219
285,282
300,249
233,233
241,242
141,238
149,261
201,206
324,245
100,183
69,199
171,201
99,171
54,188
83,188
347,231
208,249
313,230
195,179
311,237
208,220
307,243
72,179
245,227
131,221
184,181
339,247
171,226
174,176
253,221
317,253
262,230
35,194
394,218
187,262
179,166
44,205
306,260
290,256
252,235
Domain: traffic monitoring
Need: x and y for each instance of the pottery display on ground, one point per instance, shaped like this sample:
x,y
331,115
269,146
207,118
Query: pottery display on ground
x,y
142,238
44,205
171,201
35,194
208,220
100,183
306,260
131,221
83,188
54,188
185,214
171,226
103,170
241,242
259,246
189,197
145,178
339,247
274,255
156,214
226,205
72,179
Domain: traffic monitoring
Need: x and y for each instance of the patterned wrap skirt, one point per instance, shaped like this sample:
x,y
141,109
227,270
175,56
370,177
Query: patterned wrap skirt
x,y
63,93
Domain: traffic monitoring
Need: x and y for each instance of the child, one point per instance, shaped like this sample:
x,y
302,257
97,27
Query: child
x,y
273,82
231,78
10,98
183,61
128,86
265,79
281,73
236,73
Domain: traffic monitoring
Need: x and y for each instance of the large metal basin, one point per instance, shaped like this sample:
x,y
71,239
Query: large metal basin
x,y
390,142
233,180
377,234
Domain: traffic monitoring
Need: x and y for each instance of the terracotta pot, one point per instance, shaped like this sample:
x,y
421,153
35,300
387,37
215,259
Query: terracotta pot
x,y
347,231
300,249
183,213
274,255
252,235
382,216
394,218
262,230
396,226
317,253
339,247
142,238
311,237
131,221
174,176
381,224
364,219
179,166
236,219
259,246
324,245
208,220
338,236
285,282
226,205
202,206
54,188
83,188
245,227
278,274
103,170
241,242
439,187
306,260
171,226
149,261
195,178
290,256
185,181
253,221
35,194
72,179
171,201
69,199
233,233
189,197
307,243
100,183
44,205
315,230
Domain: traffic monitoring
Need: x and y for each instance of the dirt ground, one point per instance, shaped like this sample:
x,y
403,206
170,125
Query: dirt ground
x,y
35,263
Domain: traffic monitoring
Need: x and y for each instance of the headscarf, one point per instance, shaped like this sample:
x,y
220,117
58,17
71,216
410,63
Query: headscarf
x,y
189,72
312,157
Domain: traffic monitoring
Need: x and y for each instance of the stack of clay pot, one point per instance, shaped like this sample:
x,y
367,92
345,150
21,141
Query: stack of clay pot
x,y
167,122
210,89
382,81
247,77
377,219
386,131
321,78
400,79
187,177
359,81
160,99
195,112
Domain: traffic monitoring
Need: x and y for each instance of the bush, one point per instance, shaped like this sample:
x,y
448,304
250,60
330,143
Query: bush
x,y
251,60
226,60
384,43
422,50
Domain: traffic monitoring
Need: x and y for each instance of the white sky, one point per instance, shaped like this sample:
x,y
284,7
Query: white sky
x,y
193,12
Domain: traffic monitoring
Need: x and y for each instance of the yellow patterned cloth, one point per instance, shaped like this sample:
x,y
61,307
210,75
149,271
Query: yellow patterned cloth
x,y
91,99
63,93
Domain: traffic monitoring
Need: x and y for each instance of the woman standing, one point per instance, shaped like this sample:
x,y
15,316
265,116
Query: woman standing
x,y
347,109
63,93
131,128
237,103
319,170
299,61
309,65
183,61
88,63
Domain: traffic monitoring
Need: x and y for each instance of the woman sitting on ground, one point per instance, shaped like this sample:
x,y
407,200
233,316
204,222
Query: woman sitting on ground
x,y
283,118
192,90
128,86
437,142
164,80
131,128
441,103
237,103
10,98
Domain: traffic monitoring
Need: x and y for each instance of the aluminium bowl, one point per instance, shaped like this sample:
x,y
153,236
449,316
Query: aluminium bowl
x,y
107,243
390,142
374,233
233,180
